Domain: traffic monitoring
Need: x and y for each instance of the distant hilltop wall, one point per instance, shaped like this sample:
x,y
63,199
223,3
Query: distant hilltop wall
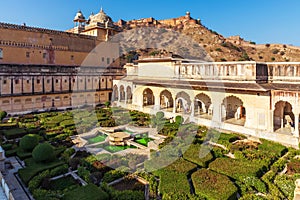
x,y
145,22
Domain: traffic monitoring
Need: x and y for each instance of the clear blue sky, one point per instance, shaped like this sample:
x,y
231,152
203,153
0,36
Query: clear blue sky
x,y
262,21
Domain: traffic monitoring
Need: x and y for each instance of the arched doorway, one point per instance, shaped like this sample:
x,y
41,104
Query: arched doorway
x,y
183,103
129,94
283,117
166,100
148,97
233,111
122,93
115,93
203,105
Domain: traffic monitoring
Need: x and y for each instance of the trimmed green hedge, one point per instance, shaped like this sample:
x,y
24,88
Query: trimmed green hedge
x,y
237,169
14,133
213,186
198,154
88,192
181,166
43,152
28,142
33,168
173,182
286,184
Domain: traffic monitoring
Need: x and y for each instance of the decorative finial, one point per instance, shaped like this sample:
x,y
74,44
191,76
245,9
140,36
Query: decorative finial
x,y
101,10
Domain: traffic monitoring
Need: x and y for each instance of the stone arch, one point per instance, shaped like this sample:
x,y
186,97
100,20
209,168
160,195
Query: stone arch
x,y
122,93
148,97
283,116
183,102
115,93
202,104
233,108
166,99
129,93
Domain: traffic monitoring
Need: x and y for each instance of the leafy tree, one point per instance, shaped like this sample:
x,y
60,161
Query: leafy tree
x,y
3,114
28,142
179,120
107,104
43,152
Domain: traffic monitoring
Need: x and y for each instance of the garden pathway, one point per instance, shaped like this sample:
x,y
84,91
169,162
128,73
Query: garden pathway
x,y
14,183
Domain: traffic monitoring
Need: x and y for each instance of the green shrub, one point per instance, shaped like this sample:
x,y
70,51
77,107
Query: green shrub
x,y
113,175
43,152
173,182
7,146
279,165
67,123
14,133
36,181
286,184
256,183
252,197
213,185
268,178
3,114
128,195
23,154
179,120
84,174
33,168
160,115
199,154
59,170
28,142
237,169
181,166
88,192
10,153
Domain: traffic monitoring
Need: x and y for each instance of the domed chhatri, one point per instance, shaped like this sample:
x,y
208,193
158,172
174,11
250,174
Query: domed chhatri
x,y
79,17
100,17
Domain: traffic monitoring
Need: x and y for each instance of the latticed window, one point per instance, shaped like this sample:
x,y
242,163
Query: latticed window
x,y
1,53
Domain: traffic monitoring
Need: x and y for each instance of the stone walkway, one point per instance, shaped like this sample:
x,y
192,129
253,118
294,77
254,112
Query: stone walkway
x,y
18,190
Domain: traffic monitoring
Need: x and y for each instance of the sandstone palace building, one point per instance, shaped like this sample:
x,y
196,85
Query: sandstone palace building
x,y
41,68
256,99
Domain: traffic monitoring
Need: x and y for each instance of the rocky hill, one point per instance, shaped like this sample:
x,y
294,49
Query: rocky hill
x,y
217,46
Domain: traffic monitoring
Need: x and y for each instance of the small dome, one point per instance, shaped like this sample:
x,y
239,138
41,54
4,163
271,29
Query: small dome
x,y
79,16
101,17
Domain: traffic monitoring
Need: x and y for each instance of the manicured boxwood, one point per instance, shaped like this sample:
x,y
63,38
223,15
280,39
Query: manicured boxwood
x,y
199,154
33,168
113,175
43,152
88,192
272,147
173,182
14,133
181,166
23,154
237,169
286,184
273,190
10,153
213,186
28,142
67,123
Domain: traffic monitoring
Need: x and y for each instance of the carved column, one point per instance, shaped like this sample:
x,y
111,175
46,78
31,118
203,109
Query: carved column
x,y
174,105
296,133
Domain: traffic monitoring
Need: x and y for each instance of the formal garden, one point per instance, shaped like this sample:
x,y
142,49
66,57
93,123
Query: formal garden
x,y
193,162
